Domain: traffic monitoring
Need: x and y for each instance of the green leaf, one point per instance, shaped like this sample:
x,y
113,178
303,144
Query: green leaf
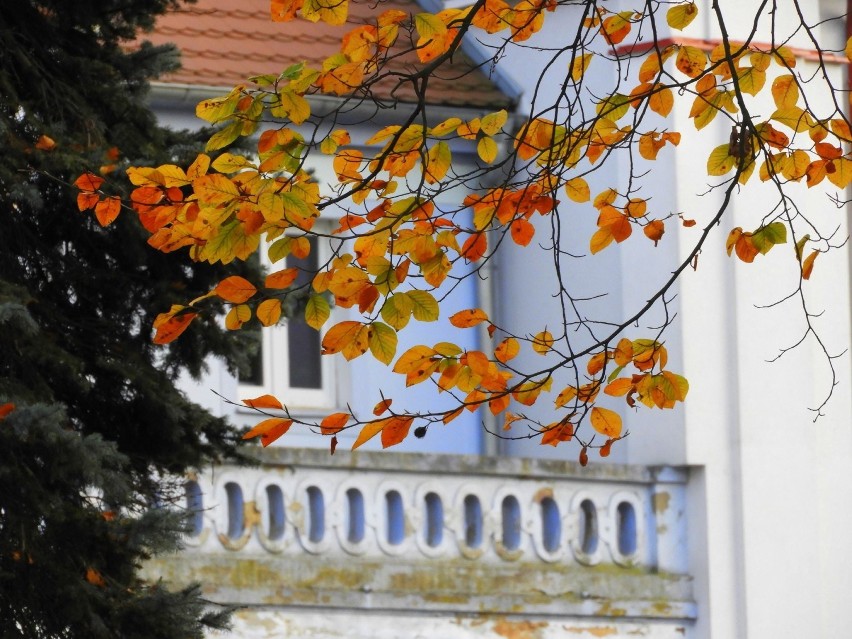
x,y
720,160
383,341
317,311
768,236
424,306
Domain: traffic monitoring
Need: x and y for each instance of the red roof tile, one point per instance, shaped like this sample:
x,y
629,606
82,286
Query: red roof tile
x,y
223,42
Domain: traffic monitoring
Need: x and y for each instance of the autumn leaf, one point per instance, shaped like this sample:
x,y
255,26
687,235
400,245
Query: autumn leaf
x,y
382,406
269,312
606,422
396,430
264,401
808,265
522,231
169,326
333,423
542,342
680,16
469,317
578,190
237,316
382,341
507,349
269,430
235,289
556,433
6,409
317,311
107,210
281,279
369,430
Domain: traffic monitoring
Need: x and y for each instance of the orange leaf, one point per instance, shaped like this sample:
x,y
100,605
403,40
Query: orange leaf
x,y
557,433
45,143
468,318
654,230
522,231
235,289
263,401
474,247
370,430
334,423
395,431
107,210
170,325
382,406
281,279
507,349
94,577
5,409
269,430
619,387
606,422
808,265
88,182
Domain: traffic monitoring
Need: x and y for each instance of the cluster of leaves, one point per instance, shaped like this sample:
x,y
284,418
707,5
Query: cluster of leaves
x,y
398,254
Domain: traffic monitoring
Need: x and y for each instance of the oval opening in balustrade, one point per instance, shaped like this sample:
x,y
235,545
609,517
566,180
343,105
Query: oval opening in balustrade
x,y
551,525
395,518
472,522
275,514
235,510
194,508
354,516
316,515
626,516
434,529
588,527
511,516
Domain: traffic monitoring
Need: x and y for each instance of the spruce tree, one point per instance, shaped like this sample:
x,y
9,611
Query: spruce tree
x,y
98,432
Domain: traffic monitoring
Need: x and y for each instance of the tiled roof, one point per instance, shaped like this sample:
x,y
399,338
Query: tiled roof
x,y
223,42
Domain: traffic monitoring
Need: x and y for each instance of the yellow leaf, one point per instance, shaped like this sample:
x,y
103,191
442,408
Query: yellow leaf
x,y
487,150
785,91
237,316
293,106
230,163
269,312
578,190
438,162
680,16
492,123
601,238
542,342
579,66
691,61
606,422
370,430
720,161
848,49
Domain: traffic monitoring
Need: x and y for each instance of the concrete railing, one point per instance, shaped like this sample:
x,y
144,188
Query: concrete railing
x,y
373,529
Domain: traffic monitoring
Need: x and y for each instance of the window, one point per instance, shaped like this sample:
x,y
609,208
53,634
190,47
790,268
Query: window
x,y
288,363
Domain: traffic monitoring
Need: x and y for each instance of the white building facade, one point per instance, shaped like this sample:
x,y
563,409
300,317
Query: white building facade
x,y
727,517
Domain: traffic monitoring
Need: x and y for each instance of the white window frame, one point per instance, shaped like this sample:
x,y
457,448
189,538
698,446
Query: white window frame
x,y
276,358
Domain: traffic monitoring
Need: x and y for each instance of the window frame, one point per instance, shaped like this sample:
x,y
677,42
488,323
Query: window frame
x,y
275,355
